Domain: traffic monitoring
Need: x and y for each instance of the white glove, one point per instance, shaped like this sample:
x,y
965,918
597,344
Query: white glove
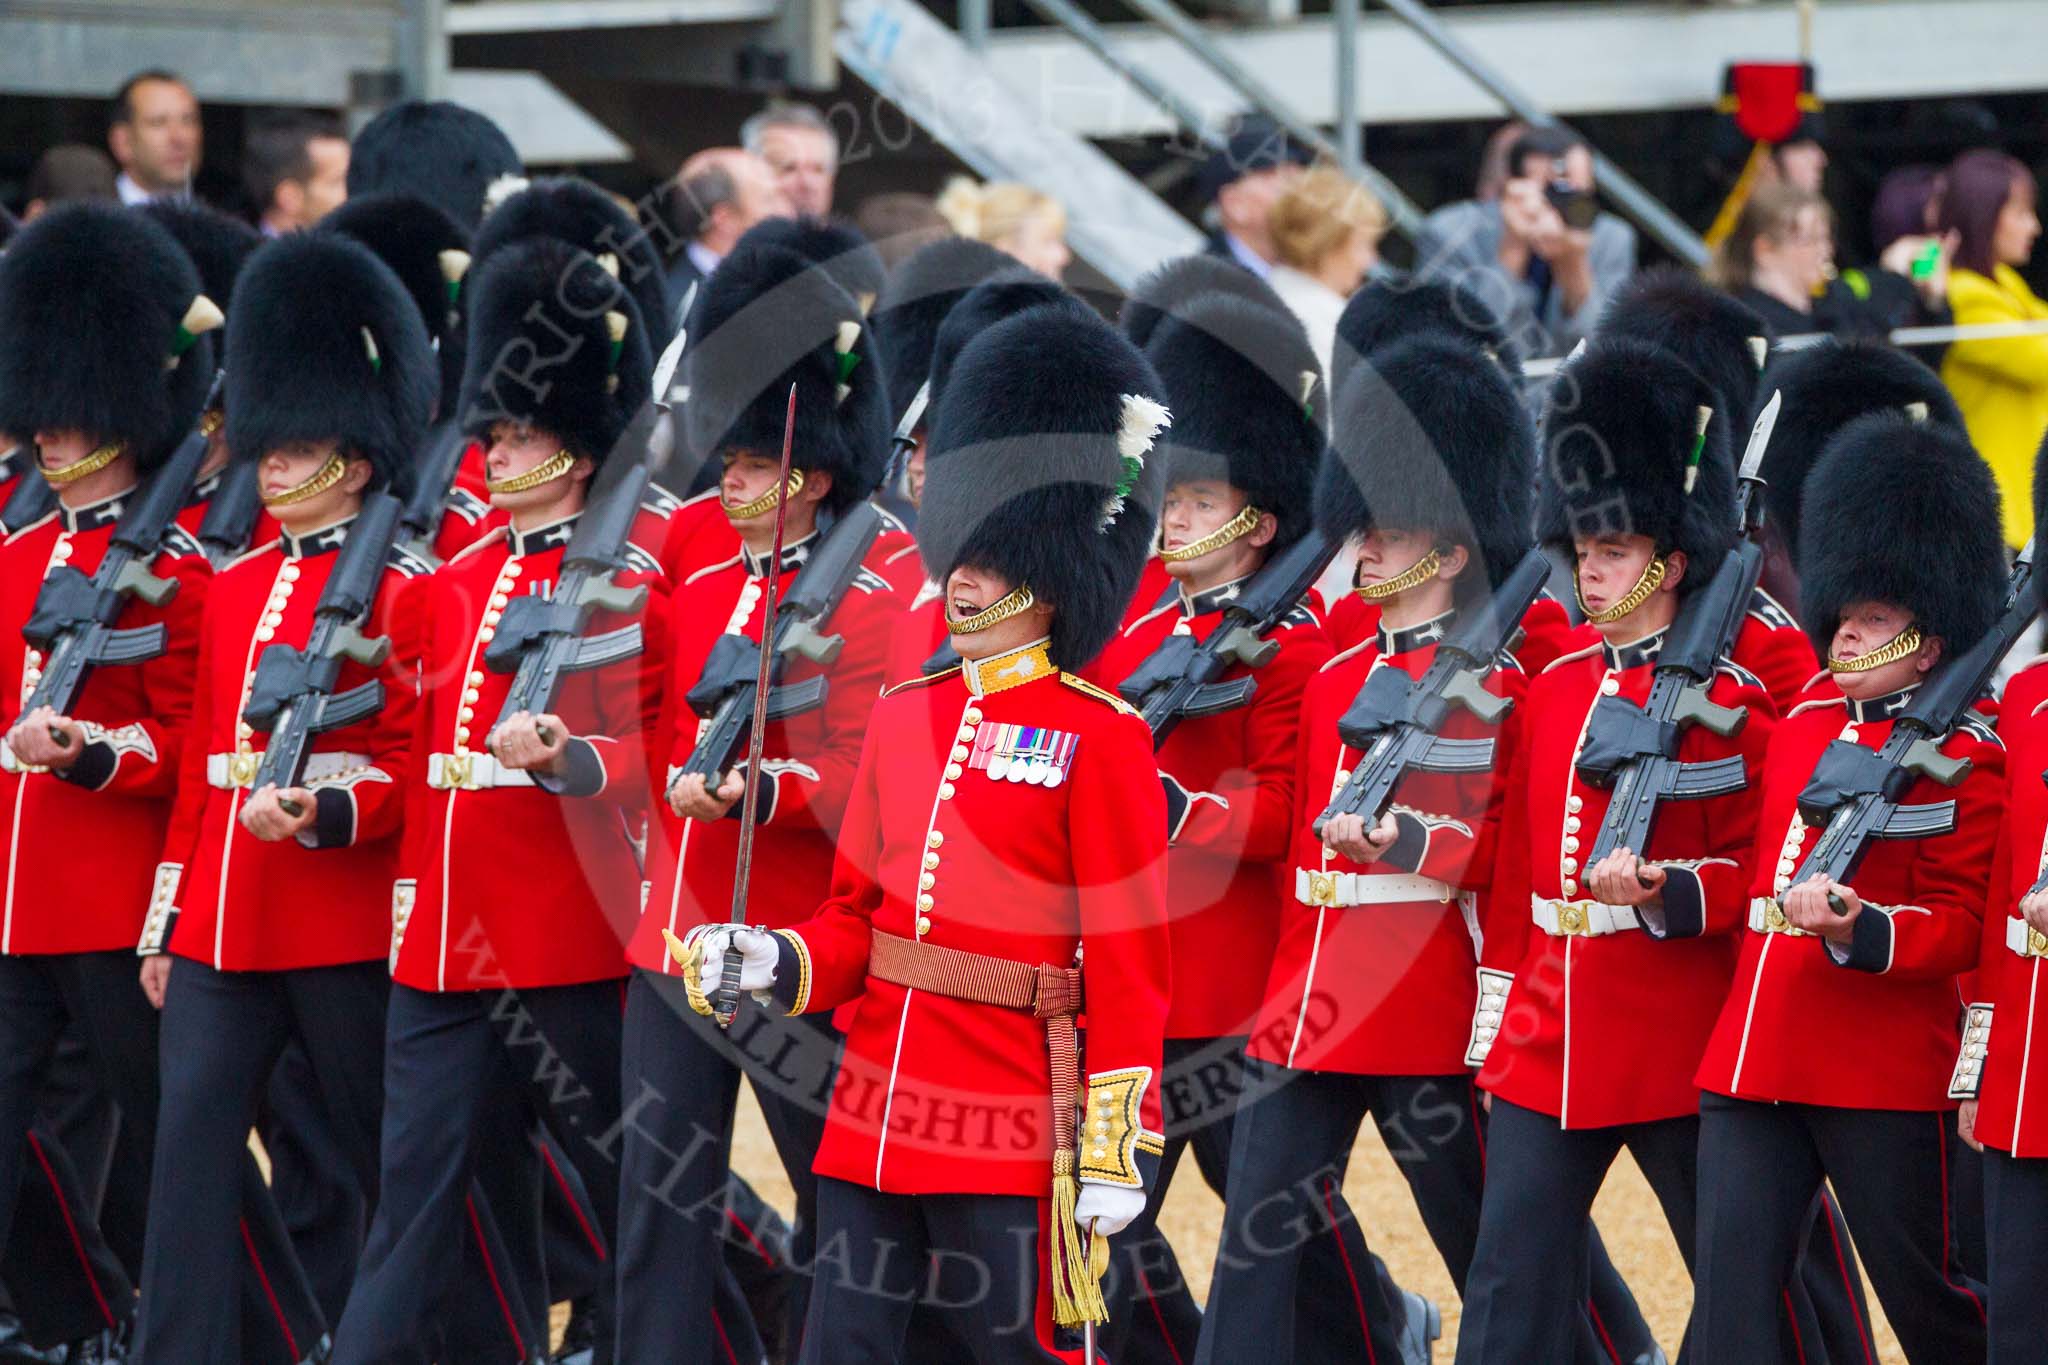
x,y
758,955
1110,1208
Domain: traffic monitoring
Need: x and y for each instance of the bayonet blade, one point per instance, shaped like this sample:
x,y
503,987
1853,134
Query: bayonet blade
x,y
1760,438
665,368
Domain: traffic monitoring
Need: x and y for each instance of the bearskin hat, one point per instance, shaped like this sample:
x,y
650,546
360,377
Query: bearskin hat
x,y
1247,403
429,252
1826,387
914,302
1044,470
766,319
326,345
95,303
579,213
1168,289
982,307
219,245
1430,435
435,150
1720,340
1619,430
1385,312
844,254
555,343
1912,515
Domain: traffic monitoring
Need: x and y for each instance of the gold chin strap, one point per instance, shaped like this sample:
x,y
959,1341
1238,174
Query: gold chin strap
x,y
1418,573
1015,601
99,459
322,479
1237,528
1891,651
547,471
1652,579
747,511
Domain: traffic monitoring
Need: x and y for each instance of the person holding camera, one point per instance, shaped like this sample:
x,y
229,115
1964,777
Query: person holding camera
x,y
1543,254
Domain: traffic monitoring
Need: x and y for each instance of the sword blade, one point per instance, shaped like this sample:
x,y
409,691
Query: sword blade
x,y
728,989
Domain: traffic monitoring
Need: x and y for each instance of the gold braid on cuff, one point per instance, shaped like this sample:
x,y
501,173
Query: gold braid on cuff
x,y
1891,651
747,511
1416,574
547,471
1652,579
1008,605
99,459
322,479
1236,528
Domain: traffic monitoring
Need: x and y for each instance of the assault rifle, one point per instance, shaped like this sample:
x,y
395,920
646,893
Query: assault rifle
x,y
292,696
1395,721
1856,793
1182,678
724,693
1633,750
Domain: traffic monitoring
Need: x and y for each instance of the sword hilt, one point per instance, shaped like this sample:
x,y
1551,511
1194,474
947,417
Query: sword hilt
x,y
725,1001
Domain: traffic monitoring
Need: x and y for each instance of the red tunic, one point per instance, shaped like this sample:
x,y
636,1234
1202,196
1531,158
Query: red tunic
x,y
318,900
1608,1029
116,799
1235,771
938,1095
1921,926
2013,1093
1383,987
808,759
505,882
1547,629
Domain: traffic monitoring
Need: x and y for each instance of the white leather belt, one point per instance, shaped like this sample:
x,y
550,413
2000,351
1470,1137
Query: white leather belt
x,y
229,771
1345,889
471,771
2024,939
1766,916
1581,919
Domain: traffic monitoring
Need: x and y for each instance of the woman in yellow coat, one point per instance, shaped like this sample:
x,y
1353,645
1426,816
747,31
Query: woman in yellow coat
x,y
2000,383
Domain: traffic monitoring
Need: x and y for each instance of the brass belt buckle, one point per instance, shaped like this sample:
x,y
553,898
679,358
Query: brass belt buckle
x,y
242,767
457,770
1774,918
2037,942
1571,917
1322,888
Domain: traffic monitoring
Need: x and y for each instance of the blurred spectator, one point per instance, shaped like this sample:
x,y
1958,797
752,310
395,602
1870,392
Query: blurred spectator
x,y
1326,229
1240,181
899,223
1801,162
718,194
1778,257
2000,383
153,131
68,171
1907,200
803,151
1493,162
1543,256
295,170
1015,219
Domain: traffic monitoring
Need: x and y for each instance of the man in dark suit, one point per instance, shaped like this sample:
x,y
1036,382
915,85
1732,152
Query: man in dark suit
x,y
1239,183
718,194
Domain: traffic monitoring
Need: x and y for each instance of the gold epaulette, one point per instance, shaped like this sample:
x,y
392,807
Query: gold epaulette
x,y
1086,688
919,681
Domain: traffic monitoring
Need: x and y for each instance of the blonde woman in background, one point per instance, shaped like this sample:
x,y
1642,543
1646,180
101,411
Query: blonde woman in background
x,y
1327,230
1015,219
